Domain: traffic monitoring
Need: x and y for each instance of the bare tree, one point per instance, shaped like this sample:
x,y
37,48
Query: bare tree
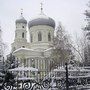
x,y
62,51
87,37
11,62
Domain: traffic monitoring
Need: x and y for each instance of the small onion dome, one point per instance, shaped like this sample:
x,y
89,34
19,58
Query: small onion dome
x,y
42,19
21,20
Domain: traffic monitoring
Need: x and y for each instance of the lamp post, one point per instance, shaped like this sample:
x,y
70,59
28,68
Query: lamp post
x,y
67,82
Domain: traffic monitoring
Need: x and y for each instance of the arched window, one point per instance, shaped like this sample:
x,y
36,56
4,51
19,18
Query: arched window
x,y
49,37
31,38
23,46
39,36
22,26
23,35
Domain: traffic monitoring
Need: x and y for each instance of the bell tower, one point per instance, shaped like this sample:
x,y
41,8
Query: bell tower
x,y
20,33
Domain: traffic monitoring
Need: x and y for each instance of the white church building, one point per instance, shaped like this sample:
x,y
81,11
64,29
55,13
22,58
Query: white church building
x,y
36,52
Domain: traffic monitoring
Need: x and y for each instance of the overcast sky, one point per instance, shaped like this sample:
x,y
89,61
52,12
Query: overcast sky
x,y
68,12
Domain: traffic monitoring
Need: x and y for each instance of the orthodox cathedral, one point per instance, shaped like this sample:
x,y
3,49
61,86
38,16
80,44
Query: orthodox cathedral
x,y
36,52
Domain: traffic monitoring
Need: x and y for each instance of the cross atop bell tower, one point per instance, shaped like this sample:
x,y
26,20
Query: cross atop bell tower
x,y
21,12
41,7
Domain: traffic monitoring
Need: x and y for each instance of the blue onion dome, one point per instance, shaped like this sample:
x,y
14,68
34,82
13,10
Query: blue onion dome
x,y
21,20
42,19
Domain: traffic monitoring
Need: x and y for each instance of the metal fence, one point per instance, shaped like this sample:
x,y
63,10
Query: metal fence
x,y
48,84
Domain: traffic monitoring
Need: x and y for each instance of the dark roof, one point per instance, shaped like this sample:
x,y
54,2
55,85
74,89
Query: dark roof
x,y
21,20
42,21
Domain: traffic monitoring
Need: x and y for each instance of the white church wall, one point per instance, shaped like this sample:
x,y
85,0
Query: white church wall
x,y
44,43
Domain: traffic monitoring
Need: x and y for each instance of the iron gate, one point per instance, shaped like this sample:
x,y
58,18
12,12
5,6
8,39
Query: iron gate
x,y
34,85
52,84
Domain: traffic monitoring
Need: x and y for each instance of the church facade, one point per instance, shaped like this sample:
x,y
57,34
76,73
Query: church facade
x,y
36,52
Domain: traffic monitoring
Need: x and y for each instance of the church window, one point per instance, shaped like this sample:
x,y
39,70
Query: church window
x,y
23,35
33,63
31,38
22,26
23,46
39,36
49,37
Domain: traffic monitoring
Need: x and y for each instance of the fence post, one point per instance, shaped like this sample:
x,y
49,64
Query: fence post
x,y
67,82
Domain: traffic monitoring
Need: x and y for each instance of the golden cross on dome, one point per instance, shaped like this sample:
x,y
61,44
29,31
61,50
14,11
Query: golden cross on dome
x,y
41,7
21,12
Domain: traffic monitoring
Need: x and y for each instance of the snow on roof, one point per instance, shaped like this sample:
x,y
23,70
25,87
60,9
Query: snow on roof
x,y
48,49
25,78
81,76
27,49
72,70
61,69
24,49
24,69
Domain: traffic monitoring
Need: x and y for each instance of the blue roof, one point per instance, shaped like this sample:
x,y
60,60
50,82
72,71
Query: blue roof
x,y
42,20
21,20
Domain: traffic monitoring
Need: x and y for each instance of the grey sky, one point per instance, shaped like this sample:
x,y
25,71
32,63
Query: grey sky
x,y
68,12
